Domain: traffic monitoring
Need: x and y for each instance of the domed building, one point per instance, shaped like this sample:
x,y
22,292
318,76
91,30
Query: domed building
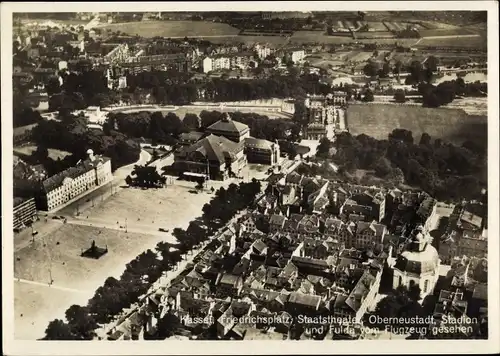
x,y
418,264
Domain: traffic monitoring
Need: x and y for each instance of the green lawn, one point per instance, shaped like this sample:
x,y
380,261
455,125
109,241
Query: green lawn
x,y
378,120
173,28
479,42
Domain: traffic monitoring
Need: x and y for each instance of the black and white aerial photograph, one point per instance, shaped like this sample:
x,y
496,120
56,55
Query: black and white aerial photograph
x,y
249,175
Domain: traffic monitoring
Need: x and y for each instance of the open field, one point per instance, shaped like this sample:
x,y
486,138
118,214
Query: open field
x,y
378,120
468,78
30,302
479,42
359,56
173,28
76,278
448,32
231,36
168,207
53,153
275,41
434,25
375,35
62,22
472,106
376,26
61,255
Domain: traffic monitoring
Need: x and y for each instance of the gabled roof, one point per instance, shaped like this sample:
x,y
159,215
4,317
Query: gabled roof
x,y
311,301
293,178
83,167
333,224
259,246
191,136
229,279
214,148
228,125
252,142
377,229
277,220
360,291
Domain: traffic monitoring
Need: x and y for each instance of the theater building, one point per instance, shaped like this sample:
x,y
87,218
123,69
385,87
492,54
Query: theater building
x,y
214,156
232,130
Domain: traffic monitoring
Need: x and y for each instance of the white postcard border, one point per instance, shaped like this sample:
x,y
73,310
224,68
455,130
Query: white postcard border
x,y
17,347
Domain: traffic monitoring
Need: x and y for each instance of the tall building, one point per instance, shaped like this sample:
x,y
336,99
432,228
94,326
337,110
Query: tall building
x,y
263,51
75,181
24,212
207,65
261,151
418,265
297,55
232,130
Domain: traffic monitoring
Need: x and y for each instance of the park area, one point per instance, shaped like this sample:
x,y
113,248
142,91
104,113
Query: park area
x,y
453,125
192,109
28,150
173,28
55,254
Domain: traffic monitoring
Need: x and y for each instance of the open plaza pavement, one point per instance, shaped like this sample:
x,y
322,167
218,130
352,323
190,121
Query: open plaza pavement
x,y
49,273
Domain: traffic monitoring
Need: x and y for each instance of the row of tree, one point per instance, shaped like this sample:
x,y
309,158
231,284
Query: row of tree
x,y
444,170
261,126
145,177
117,294
161,129
181,91
78,90
22,111
221,209
90,88
72,135
166,129
444,93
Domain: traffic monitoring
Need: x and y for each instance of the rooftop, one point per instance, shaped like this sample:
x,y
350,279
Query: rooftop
x,y
214,148
258,143
311,301
83,167
226,124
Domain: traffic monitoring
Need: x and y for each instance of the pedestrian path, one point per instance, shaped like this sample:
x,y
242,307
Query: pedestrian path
x,y
50,285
